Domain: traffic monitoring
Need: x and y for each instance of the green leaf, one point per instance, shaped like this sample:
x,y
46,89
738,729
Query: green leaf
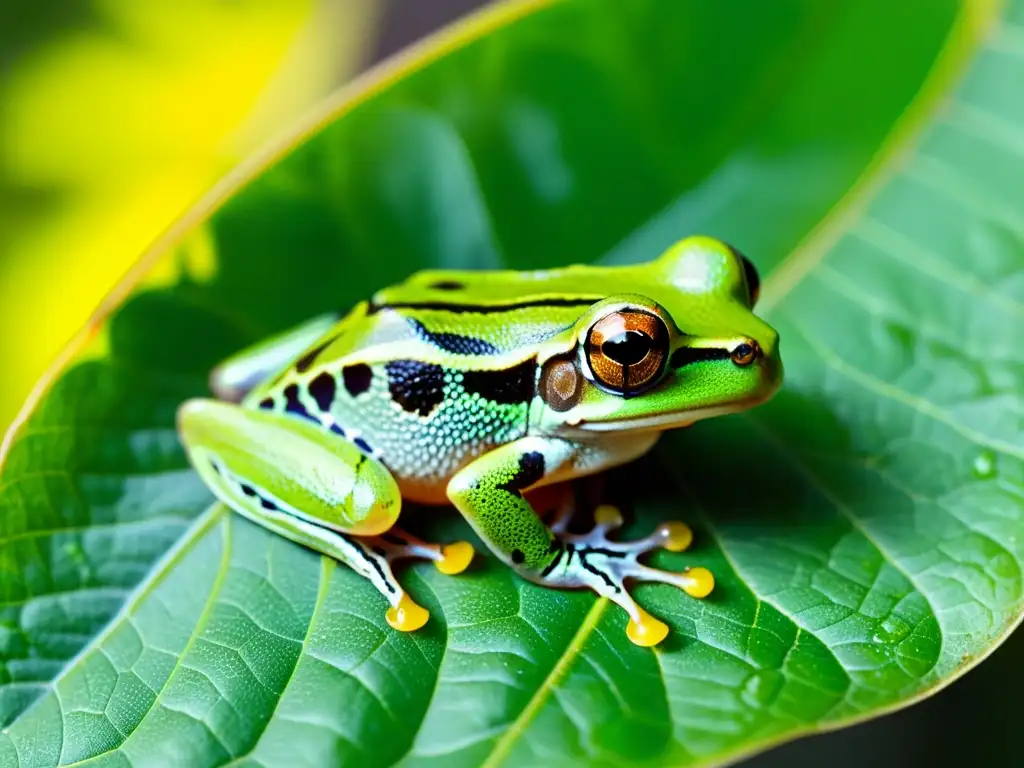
x,y
866,527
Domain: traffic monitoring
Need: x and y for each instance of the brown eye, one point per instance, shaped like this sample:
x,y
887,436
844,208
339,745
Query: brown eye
x,y
745,354
627,350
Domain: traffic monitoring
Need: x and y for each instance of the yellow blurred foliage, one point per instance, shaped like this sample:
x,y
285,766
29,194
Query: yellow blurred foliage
x,y
120,126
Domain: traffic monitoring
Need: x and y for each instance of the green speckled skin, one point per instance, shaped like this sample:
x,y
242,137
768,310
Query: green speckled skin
x,y
473,387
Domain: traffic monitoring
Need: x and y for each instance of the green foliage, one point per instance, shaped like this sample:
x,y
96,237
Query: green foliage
x,y
866,527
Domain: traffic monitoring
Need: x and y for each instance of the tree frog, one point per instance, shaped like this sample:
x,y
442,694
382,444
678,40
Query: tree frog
x,y
474,389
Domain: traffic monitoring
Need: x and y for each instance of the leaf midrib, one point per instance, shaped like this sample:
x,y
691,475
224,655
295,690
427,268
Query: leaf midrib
x,y
327,569
967,33
204,616
504,745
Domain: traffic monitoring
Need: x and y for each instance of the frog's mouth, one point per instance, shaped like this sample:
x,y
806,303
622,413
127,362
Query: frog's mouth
x,y
659,422
672,419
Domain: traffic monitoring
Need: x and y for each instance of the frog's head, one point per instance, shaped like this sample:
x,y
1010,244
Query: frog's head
x,y
685,347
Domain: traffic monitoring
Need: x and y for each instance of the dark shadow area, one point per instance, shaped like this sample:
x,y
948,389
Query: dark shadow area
x,y
973,722
406,21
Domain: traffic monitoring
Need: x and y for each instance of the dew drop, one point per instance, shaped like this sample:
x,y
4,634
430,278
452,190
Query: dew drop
x,y
891,631
985,464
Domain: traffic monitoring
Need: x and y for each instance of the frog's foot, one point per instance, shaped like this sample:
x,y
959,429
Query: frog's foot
x,y
593,560
449,559
370,562
405,614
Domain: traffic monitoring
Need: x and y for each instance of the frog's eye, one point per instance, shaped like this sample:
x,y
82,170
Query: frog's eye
x,y
627,350
753,279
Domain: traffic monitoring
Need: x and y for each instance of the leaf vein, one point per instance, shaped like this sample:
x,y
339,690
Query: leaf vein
x,y
518,727
918,404
200,625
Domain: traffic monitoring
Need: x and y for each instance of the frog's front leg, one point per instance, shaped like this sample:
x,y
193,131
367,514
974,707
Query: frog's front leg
x,y
489,493
313,488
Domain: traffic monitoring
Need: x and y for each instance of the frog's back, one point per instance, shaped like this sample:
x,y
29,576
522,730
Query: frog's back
x,y
433,372
487,286
499,313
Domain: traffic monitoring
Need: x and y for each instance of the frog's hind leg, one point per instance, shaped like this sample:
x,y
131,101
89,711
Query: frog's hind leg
x,y
305,484
357,553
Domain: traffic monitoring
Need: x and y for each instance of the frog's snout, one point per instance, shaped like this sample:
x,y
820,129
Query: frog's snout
x,y
770,366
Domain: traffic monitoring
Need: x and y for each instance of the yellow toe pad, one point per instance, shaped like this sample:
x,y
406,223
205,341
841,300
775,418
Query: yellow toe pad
x,y
647,631
701,582
455,557
677,535
407,616
608,516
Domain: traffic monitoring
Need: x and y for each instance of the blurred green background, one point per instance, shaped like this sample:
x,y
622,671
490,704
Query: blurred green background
x,y
117,115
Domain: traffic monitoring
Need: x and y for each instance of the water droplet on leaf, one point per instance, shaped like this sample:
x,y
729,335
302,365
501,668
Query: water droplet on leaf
x,y
891,631
985,464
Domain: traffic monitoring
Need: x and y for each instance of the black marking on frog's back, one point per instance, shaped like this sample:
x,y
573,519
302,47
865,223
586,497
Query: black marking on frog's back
x,y
417,387
447,285
453,342
322,389
357,378
304,363
509,386
485,309
292,404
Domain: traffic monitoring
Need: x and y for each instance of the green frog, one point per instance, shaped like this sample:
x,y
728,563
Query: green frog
x,y
476,389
